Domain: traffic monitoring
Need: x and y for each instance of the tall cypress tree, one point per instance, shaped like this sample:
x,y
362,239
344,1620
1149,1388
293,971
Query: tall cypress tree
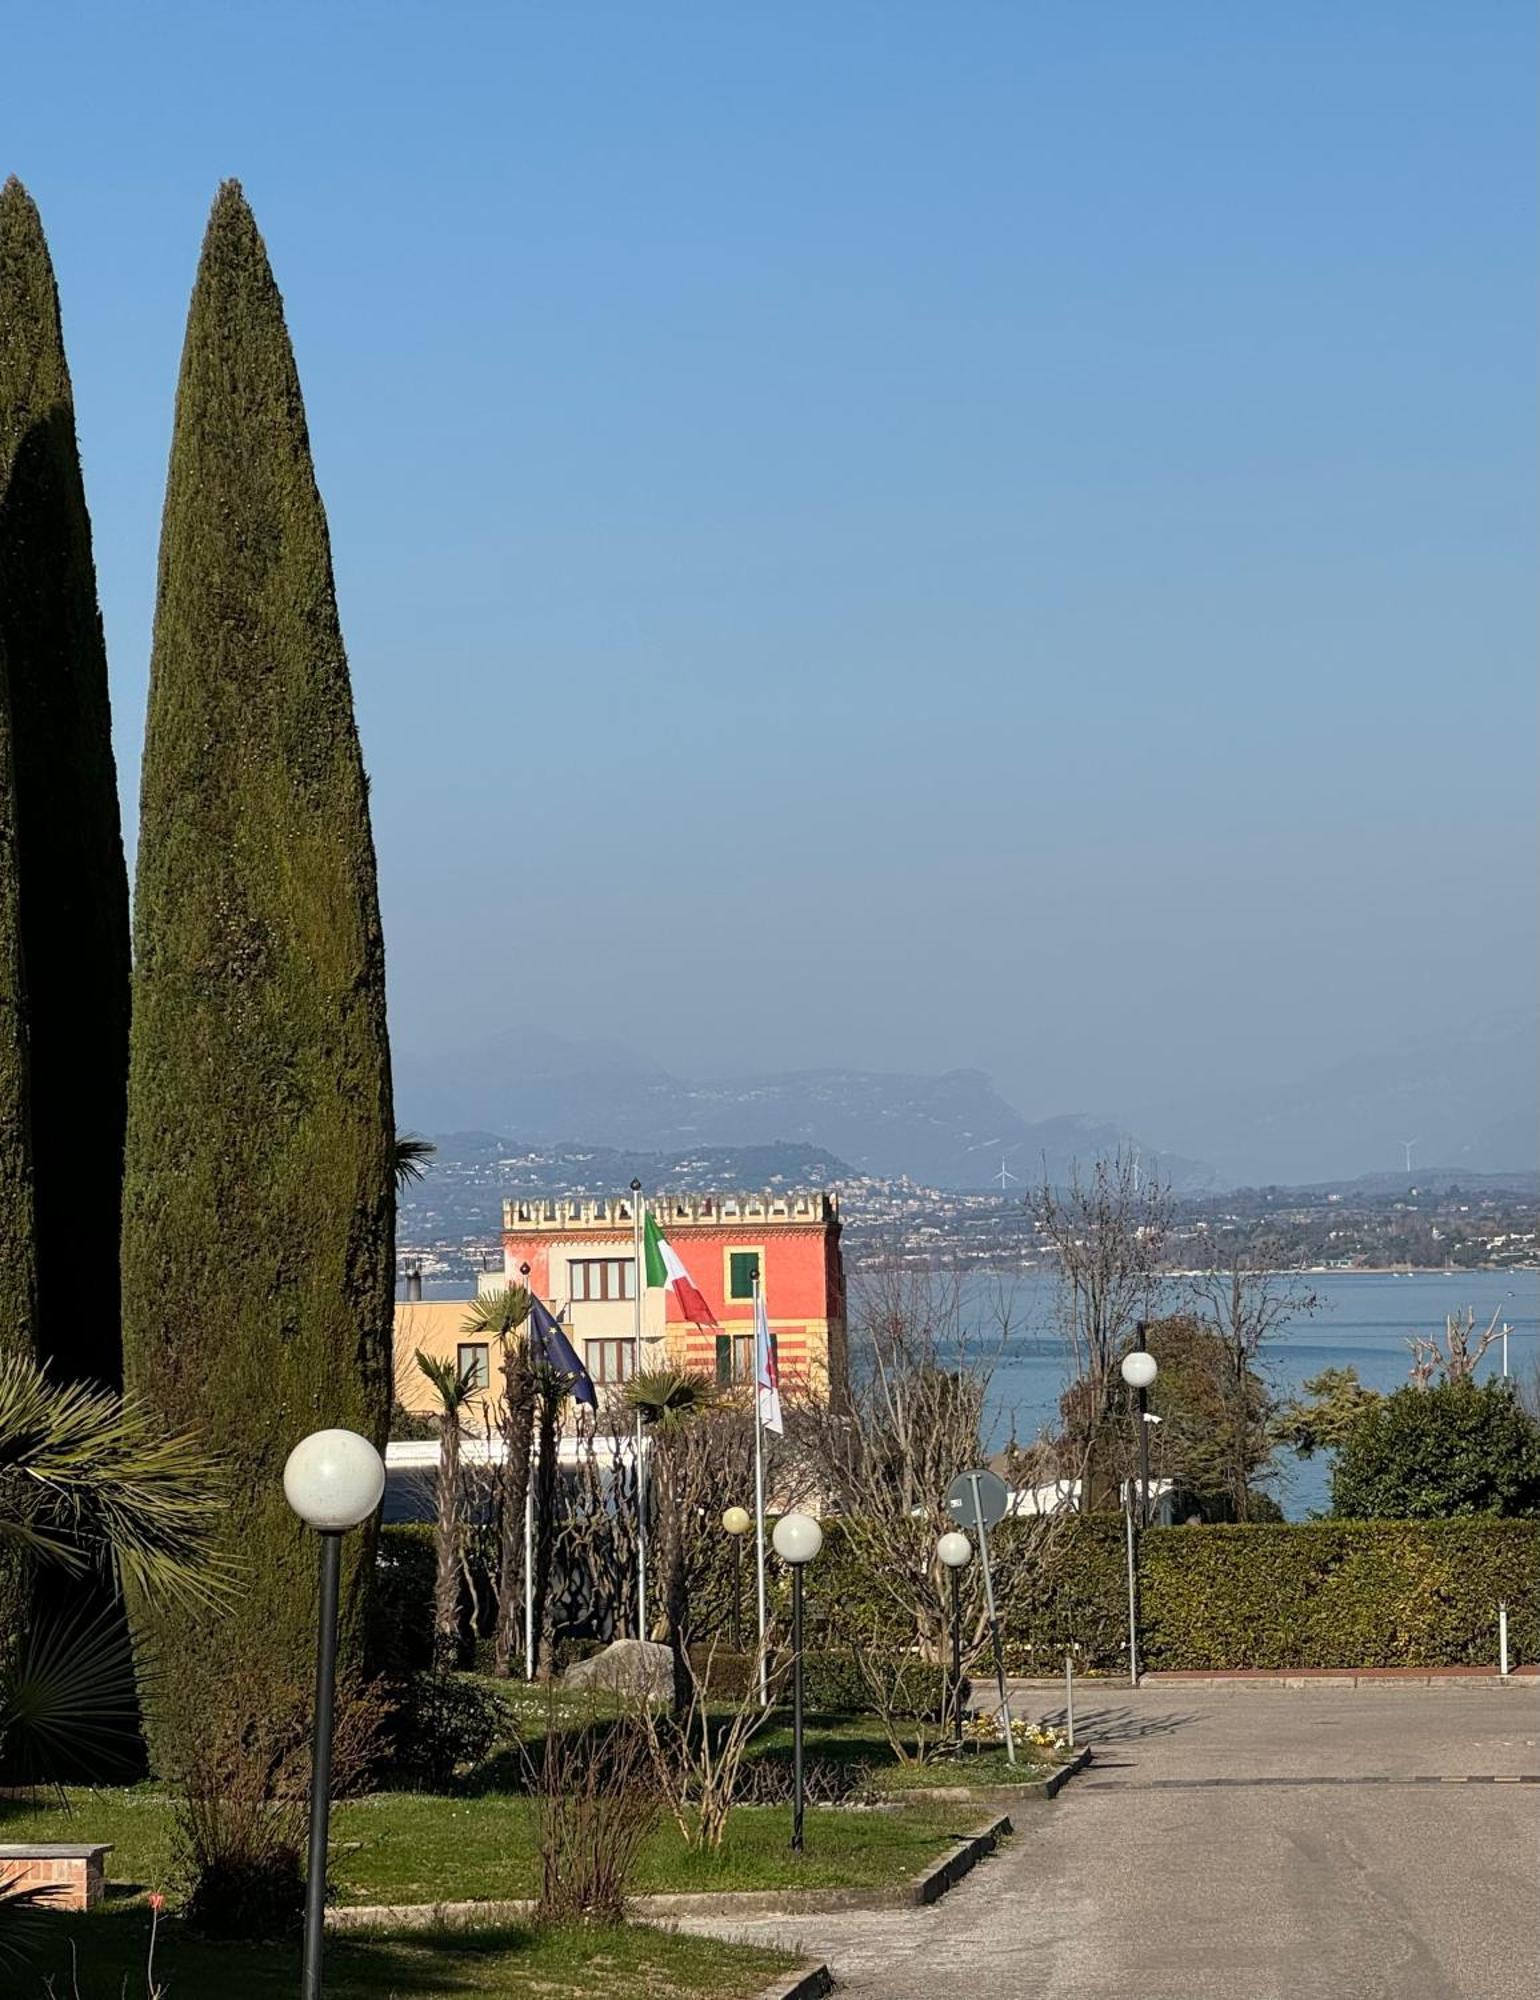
x,y
259,1206
70,888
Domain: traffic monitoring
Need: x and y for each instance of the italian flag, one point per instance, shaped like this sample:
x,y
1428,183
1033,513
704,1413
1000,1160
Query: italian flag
x,y
664,1268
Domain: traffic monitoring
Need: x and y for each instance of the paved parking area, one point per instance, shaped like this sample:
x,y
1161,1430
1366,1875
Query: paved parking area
x,y
1244,1842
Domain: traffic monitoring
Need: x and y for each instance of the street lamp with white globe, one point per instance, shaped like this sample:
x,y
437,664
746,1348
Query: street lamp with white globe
x,y
1139,1371
737,1521
954,1551
797,1540
334,1480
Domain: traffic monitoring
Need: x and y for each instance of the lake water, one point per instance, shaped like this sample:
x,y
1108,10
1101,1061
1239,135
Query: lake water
x,y
1364,1321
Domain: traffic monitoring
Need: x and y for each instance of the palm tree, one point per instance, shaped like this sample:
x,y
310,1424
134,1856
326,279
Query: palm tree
x,y
409,1158
501,1315
91,1483
668,1401
454,1388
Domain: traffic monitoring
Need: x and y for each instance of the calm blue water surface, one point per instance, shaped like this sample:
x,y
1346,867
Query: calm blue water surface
x,y
1364,1320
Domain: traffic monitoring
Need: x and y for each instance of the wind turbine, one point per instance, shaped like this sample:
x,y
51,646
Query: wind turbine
x,y
1408,1144
1005,1174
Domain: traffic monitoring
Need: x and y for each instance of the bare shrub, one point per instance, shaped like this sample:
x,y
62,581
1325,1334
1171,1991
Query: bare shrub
x,y
596,1808
242,1773
697,1756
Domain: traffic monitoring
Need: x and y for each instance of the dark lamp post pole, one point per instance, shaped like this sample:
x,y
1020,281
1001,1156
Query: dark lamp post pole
x,y
334,1480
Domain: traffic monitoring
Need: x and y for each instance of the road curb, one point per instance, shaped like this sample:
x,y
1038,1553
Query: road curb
x,y
971,1850
808,1981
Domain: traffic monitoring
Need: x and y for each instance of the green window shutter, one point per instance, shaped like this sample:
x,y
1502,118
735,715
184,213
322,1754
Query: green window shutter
x,y
724,1359
742,1270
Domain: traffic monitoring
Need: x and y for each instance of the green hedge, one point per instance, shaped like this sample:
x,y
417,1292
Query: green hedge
x,y
1271,1595
1340,1594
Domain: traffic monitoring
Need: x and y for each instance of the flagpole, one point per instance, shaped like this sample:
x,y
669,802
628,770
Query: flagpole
x,y
638,1287
759,1509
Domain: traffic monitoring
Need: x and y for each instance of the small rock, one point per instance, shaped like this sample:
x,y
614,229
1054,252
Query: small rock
x,y
628,1666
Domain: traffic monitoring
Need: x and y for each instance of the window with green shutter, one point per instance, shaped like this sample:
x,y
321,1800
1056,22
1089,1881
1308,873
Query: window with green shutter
x,y
742,1273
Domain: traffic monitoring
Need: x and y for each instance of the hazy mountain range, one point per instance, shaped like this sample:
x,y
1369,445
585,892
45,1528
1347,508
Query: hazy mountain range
x,y
1466,1103
951,1130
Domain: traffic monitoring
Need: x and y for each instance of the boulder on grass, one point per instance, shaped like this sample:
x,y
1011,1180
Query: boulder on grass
x,y
628,1666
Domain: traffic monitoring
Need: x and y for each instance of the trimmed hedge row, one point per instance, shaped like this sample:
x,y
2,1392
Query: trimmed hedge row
x,y
1271,1595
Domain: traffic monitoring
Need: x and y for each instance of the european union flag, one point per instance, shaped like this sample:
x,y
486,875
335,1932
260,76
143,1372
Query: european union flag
x,y
549,1343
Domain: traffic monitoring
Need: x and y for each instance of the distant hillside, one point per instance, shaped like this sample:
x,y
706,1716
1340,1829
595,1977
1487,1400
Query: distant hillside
x,y
949,1131
461,1197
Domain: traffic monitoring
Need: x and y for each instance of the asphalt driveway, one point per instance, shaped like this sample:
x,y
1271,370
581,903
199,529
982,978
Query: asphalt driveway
x,y
1244,1843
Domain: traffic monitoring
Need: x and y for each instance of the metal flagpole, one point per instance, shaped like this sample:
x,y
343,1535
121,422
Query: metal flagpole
x,y
638,1287
529,1574
759,1509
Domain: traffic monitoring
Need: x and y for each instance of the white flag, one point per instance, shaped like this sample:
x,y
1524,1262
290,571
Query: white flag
x,y
767,1383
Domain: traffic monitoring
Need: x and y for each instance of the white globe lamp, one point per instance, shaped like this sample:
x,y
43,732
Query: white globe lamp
x,y
737,1520
797,1539
1139,1369
955,1550
334,1480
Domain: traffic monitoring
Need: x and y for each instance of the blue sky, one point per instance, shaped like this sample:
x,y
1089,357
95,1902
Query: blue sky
x,y
1003,529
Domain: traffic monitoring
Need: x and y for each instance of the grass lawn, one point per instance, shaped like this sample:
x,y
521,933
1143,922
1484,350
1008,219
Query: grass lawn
x,y
413,1847
556,1964
860,1739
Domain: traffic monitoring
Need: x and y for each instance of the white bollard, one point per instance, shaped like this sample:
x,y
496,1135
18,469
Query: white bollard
x,y
1069,1698
1502,1640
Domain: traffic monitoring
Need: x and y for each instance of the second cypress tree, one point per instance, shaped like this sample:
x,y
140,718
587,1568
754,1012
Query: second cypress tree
x,y
70,884
258,1260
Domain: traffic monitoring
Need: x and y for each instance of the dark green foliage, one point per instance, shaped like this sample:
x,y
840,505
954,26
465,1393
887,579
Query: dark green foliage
x,y
258,1198
1333,1402
1340,1594
400,1636
837,1683
441,1723
1301,1594
17,1238
70,894
1427,1454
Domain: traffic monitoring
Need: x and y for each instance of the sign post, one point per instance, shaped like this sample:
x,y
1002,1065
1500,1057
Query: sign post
x,y
979,1500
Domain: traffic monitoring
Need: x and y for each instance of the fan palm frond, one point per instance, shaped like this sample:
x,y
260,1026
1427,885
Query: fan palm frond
x,y
409,1158
453,1386
83,1471
498,1313
69,1704
664,1398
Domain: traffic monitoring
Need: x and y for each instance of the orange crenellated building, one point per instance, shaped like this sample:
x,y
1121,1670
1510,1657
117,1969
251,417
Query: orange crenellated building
x,y
579,1258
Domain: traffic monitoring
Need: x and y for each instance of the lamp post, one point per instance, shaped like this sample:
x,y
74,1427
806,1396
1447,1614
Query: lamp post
x,y
737,1521
797,1539
1139,1371
956,1551
333,1480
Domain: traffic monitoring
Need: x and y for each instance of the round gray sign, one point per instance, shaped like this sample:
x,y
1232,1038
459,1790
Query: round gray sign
x,y
977,1499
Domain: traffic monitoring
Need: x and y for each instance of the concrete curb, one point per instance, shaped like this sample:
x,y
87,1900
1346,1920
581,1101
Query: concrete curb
x,y
998,1795
808,1981
928,1887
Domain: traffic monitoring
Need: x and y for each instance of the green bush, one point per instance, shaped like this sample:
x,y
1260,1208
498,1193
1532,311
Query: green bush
x,y
841,1683
1266,1595
1339,1594
1427,1454
441,1724
401,1607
